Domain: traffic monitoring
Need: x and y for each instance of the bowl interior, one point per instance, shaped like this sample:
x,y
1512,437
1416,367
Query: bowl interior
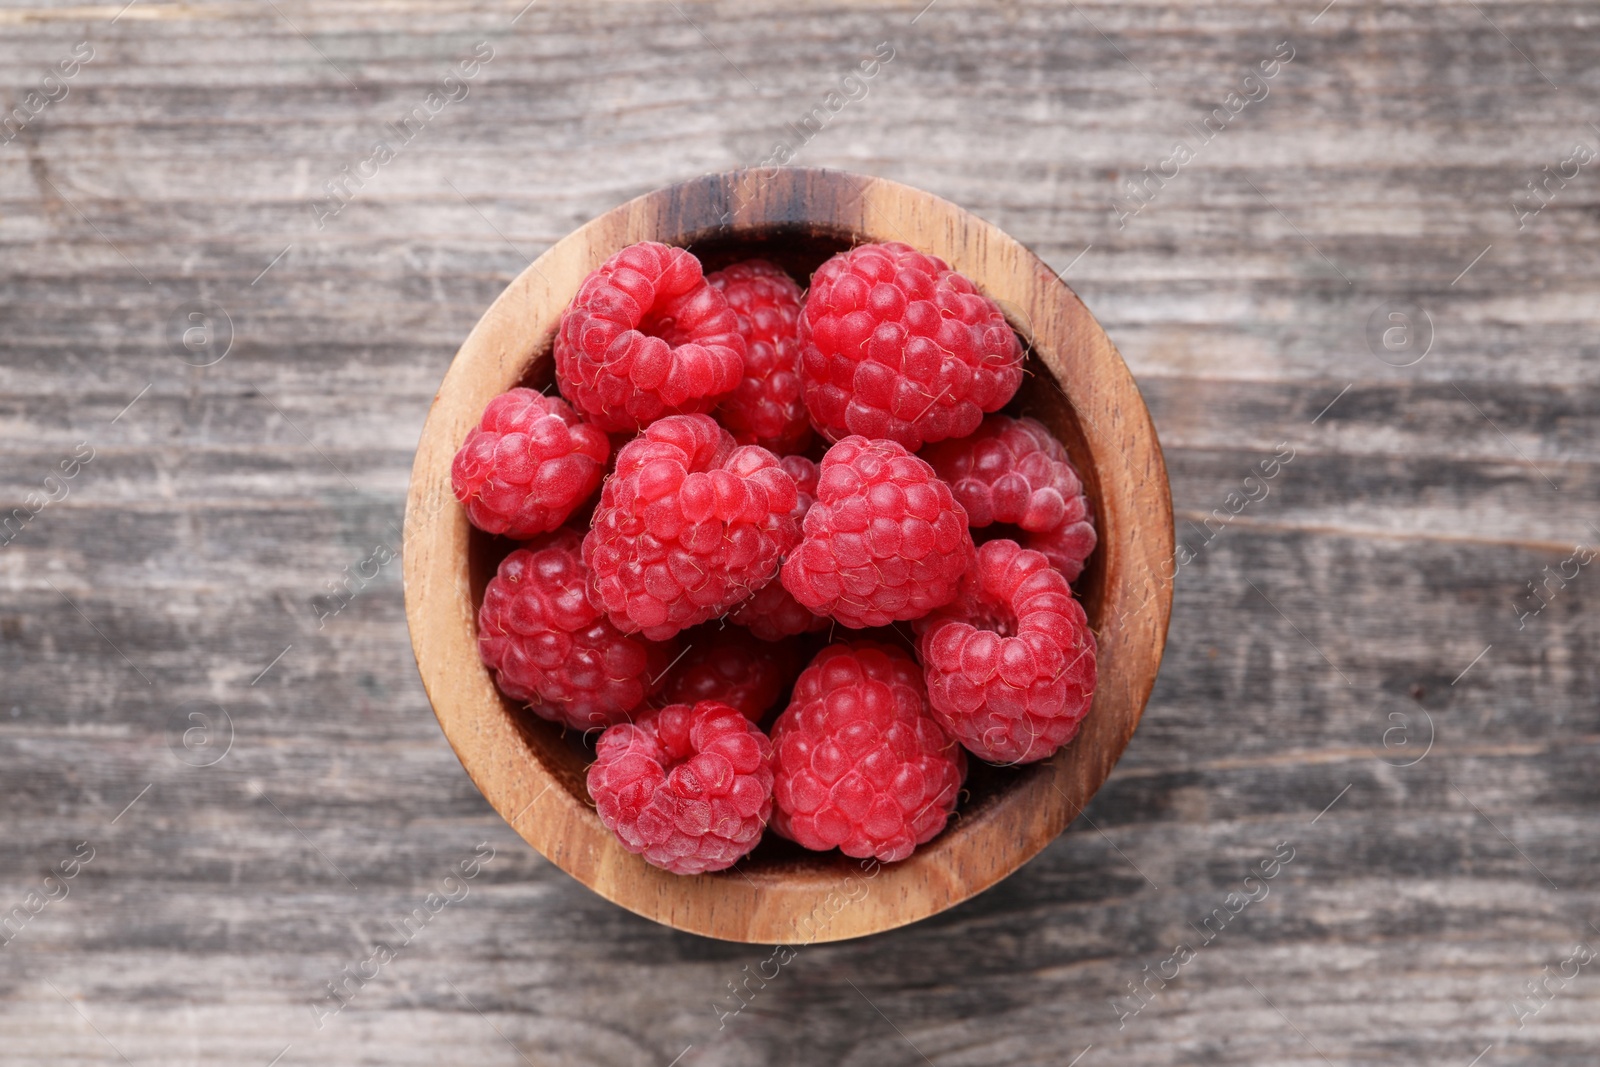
x,y
799,250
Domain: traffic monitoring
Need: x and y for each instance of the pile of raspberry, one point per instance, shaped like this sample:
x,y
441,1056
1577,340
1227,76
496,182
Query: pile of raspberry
x,y
722,516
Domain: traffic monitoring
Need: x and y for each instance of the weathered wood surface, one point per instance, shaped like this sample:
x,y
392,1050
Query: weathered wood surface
x,y
1390,552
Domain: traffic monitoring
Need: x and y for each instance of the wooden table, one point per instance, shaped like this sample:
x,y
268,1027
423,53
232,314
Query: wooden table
x,y
247,787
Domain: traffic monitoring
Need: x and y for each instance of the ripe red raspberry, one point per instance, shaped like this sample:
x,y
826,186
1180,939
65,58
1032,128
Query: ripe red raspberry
x,y
733,668
1013,470
884,541
1068,548
772,613
550,646
687,787
647,337
860,764
766,408
529,463
688,525
1011,663
897,345
806,475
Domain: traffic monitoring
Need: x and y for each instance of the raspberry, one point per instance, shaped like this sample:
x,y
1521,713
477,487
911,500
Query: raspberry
x,y
1067,549
897,345
732,668
687,787
860,764
884,541
551,647
687,526
766,408
772,613
529,463
647,337
1013,471
806,475
1011,663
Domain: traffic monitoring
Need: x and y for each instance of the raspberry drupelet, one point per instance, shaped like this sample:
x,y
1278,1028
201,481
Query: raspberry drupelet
x,y
646,336
688,787
1014,471
772,613
766,407
731,667
859,763
896,345
885,540
688,525
550,646
1010,664
528,464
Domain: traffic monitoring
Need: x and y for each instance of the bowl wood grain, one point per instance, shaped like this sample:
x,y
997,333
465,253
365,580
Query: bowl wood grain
x,y
1077,385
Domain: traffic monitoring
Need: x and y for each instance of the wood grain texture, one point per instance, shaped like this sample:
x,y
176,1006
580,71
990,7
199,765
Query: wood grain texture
x,y
1391,549
1076,384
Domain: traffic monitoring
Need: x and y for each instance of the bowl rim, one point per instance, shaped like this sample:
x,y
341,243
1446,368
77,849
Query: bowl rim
x,y
805,903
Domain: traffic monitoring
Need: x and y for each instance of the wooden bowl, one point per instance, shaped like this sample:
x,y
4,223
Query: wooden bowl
x,y
533,774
